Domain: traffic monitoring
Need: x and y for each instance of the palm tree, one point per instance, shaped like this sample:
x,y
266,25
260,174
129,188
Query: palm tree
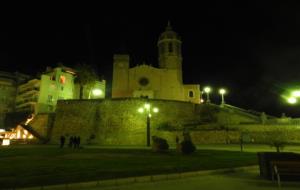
x,y
86,75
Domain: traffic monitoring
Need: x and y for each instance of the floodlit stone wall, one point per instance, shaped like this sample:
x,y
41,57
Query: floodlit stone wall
x,y
117,121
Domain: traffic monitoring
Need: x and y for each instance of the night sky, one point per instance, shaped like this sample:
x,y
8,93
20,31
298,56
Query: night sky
x,y
250,48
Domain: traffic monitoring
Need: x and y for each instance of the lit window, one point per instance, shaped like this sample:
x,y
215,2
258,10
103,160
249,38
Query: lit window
x,y
191,94
62,79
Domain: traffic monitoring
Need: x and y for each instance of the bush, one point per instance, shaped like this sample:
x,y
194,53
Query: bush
x,y
159,144
187,147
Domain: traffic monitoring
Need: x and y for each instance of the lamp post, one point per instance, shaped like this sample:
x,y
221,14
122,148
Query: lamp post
x,y
222,91
293,98
148,110
207,90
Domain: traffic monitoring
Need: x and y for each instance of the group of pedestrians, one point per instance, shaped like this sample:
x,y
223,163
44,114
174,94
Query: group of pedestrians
x,y
74,141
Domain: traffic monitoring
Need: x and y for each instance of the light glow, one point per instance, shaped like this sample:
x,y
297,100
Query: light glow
x,y
97,92
292,100
5,142
222,91
155,110
296,93
29,119
140,110
207,89
147,106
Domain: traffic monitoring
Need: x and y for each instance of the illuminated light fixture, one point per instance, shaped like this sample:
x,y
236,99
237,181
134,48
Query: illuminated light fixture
x,y
29,119
97,92
147,106
5,142
207,90
147,109
296,93
201,100
292,100
141,110
18,134
155,110
222,91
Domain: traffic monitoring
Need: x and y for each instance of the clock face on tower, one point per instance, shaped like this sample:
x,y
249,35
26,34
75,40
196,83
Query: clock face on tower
x,y
143,81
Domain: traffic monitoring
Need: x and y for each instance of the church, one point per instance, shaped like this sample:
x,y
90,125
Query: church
x,y
164,82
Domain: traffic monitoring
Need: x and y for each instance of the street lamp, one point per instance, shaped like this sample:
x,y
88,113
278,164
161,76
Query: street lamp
x,y
292,100
293,97
148,110
207,90
222,91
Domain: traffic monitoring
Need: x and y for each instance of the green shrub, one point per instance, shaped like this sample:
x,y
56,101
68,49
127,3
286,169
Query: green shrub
x,y
159,144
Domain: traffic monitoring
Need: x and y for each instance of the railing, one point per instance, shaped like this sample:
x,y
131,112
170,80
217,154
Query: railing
x,y
252,114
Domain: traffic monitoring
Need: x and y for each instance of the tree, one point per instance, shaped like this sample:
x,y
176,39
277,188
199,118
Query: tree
x,y
277,137
86,75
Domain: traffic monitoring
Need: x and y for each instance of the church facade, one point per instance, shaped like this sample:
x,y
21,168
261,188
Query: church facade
x,y
146,81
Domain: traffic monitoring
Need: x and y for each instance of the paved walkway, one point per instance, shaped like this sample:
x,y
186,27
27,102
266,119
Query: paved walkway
x,y
243,180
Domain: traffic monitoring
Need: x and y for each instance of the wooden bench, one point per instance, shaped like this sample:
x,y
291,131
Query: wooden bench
x,y
285,168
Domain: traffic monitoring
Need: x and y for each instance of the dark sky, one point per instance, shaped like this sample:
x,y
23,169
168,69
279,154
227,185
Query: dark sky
x,y
252,48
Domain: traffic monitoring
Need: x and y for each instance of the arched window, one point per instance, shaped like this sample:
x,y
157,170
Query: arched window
x,y
191,94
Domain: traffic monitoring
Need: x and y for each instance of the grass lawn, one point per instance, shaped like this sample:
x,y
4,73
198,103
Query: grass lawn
x,y
43,165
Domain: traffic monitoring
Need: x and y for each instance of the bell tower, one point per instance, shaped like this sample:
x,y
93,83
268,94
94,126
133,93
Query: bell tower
x,y
169,51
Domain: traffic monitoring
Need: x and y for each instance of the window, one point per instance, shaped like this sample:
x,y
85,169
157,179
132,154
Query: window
x,y
62,79
143,81
191,94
